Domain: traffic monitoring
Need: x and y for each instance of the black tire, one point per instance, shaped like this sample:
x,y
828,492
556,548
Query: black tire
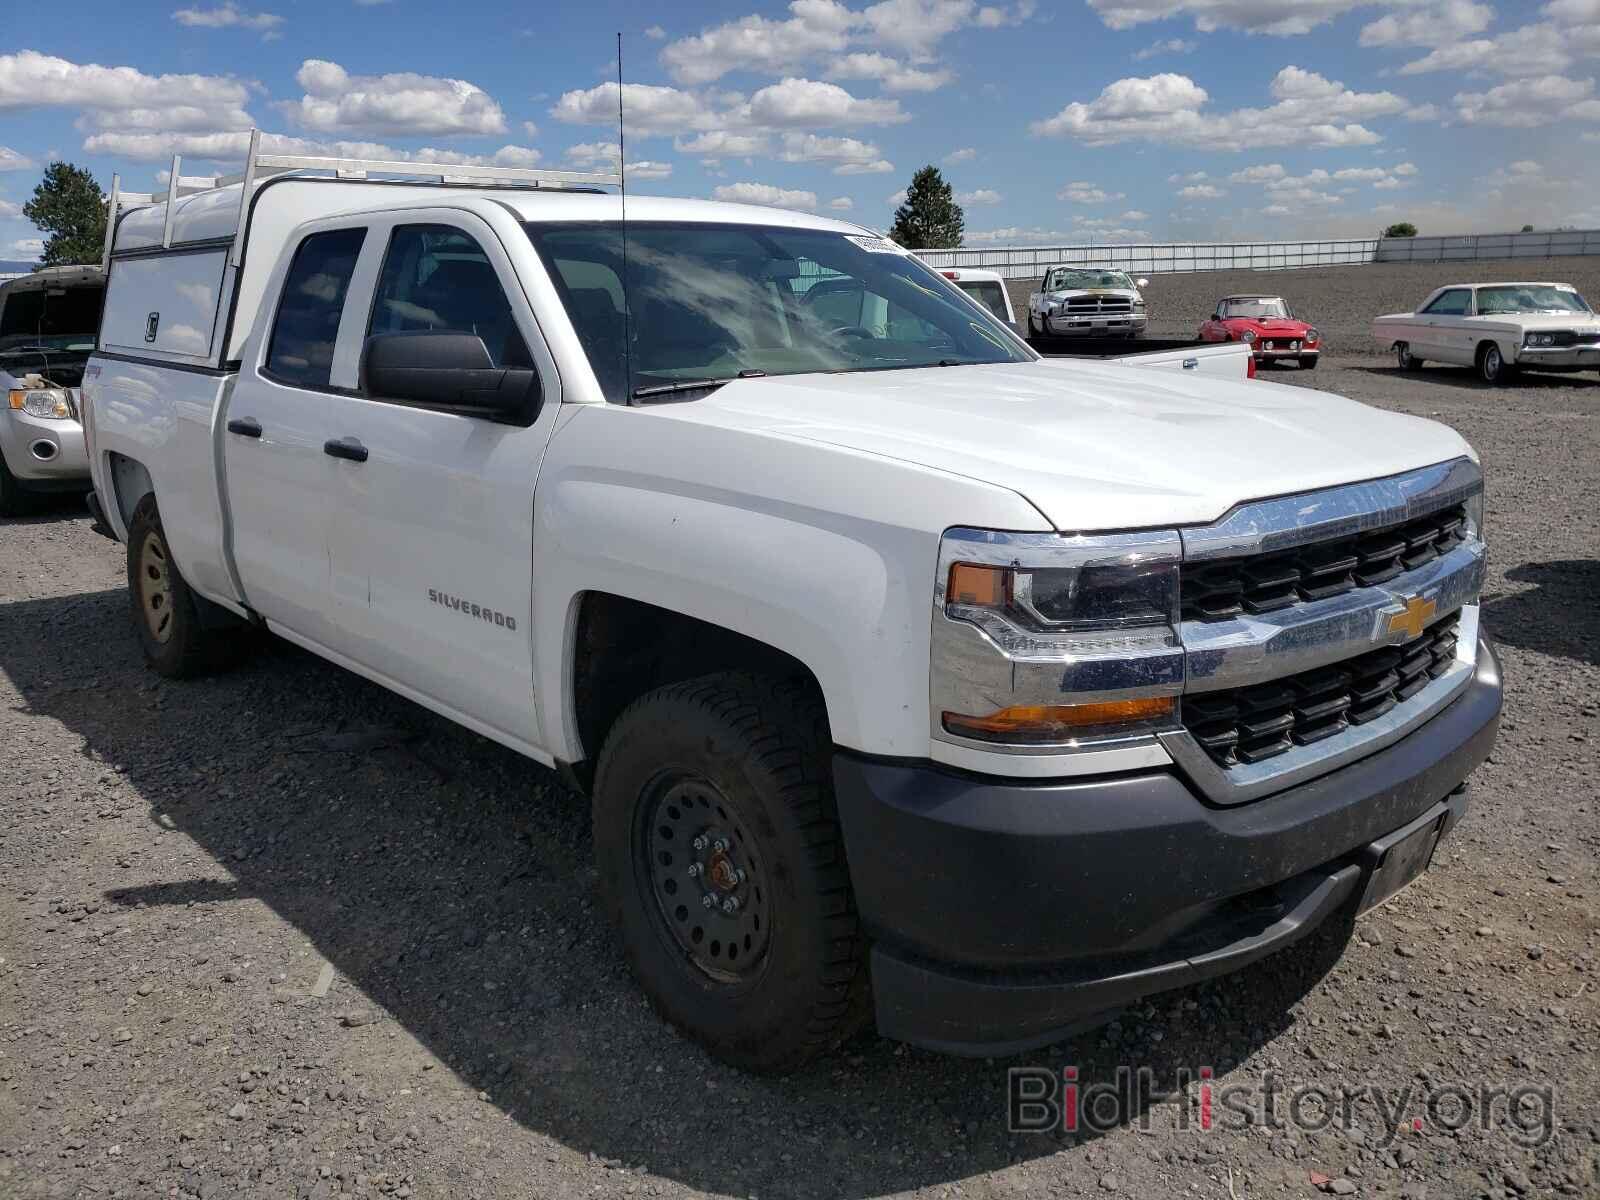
x,y
1492,366
1308,362
14,501
1405,359
739,763
167,620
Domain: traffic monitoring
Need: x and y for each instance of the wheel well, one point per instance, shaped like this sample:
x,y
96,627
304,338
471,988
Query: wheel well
x,y
1482,347
130,483
625,648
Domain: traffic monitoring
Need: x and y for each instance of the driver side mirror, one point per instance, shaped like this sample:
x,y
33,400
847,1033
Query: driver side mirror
x,y
1216,316
448,372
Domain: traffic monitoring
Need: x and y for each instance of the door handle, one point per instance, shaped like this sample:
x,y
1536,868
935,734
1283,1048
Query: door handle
x,y
245,427
347,447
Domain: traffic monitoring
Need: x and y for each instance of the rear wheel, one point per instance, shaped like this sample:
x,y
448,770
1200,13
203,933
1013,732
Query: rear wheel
x,y
166,614
722,862
1404,357
1492,366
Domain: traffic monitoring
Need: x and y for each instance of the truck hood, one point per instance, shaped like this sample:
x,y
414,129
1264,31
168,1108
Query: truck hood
x,y
1092,446
1072,293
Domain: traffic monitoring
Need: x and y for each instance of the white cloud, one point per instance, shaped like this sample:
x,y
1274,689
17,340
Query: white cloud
x,y
1171,109
650,108
26,247
401,103
1133,214
655,33
1169,46
978,197
29,79
229,16
892,75
1201,191
965,154
1280,17
841,204
765,193
808,102
721,144
15,160
1083,192
230,146
756,43
1191,177
1435,25
846,155
1532,50
1262,173
1529,103
10,208
895,199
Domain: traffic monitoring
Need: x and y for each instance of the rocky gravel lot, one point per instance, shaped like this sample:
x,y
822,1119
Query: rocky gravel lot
x,y
279,933
1341,301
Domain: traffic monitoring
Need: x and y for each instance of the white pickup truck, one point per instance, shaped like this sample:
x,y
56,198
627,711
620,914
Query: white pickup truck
x,y
910,676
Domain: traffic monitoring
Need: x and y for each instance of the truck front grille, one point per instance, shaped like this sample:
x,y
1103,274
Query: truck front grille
x,y
1249,724
1098,305
1266,582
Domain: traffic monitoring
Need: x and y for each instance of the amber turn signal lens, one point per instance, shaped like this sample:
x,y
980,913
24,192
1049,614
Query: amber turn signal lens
x,y
983,587
15,398
1038,722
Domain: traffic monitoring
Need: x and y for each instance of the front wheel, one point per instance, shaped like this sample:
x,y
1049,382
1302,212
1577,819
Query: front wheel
x,y
1308,362
1492,366
722,862
1406,360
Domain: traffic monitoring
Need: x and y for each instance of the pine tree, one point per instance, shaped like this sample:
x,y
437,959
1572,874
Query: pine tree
x,y
930,218
69,206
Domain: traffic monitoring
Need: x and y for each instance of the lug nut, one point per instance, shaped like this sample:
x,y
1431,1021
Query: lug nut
x,y
707,902
700,842
695,870
720,845
739,874
730,905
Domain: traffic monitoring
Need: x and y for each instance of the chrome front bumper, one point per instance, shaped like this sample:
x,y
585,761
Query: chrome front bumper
x,y
1068,325
1576,358
44,452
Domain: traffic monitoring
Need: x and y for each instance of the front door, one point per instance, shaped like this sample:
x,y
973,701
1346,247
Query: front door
x,y
280,485
1445,331
432,533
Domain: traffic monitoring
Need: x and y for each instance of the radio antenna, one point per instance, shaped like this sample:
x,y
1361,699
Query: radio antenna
x,y
622,177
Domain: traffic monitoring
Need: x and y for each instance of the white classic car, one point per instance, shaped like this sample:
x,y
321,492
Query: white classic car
x,y
1498,328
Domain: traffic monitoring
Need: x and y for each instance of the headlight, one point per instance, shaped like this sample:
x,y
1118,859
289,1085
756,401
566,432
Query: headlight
x,y
1042,640
1313,336
1474,507
42,402
1540,339
1247,336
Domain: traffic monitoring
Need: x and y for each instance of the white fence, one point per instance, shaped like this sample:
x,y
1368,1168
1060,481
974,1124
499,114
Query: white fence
x,y
1553,244
1159,258
1166,258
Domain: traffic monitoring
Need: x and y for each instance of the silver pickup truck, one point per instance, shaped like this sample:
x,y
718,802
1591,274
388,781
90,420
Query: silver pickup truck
x,y
1087,302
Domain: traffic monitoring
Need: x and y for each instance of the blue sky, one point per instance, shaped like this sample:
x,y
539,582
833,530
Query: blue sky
x,y
1073,120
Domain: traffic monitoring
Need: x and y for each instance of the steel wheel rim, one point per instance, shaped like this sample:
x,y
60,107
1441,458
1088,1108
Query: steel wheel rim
x,y
707,876
155,588
1405,357
1491,362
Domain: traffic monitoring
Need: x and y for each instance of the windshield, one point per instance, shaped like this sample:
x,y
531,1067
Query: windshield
x,y
1534,298
56,318
710,303
1064,279
990,295
1256,308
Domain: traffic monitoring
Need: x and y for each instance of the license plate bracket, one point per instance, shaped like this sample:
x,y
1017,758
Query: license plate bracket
x,y
1397,859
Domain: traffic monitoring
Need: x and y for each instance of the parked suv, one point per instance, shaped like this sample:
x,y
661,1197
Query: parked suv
x,y
910,676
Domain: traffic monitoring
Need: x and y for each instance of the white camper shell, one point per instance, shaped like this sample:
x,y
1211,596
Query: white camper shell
x,y
186,272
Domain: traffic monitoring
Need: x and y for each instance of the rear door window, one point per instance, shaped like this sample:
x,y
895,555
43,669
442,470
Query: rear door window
x,y
990,295
307,324
437,277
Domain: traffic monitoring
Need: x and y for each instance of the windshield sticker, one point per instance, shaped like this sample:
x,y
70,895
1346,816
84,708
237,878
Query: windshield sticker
x,y
874,245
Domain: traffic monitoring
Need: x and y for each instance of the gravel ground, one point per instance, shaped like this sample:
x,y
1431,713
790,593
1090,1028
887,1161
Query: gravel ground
x,y
1340,300
280,933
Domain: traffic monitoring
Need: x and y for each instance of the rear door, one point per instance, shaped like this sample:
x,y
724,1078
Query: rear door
x,y
431,535
280,487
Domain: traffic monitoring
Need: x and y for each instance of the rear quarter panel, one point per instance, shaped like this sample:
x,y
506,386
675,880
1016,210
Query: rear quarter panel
x,y
164,419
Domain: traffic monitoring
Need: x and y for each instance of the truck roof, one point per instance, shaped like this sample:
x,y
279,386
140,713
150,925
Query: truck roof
x,y
69,276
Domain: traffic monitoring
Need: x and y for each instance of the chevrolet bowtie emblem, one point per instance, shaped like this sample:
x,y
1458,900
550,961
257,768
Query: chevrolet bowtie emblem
x,y
1414,619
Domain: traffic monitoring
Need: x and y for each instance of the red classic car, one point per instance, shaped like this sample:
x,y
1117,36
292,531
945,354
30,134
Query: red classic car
x,y
1273,331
